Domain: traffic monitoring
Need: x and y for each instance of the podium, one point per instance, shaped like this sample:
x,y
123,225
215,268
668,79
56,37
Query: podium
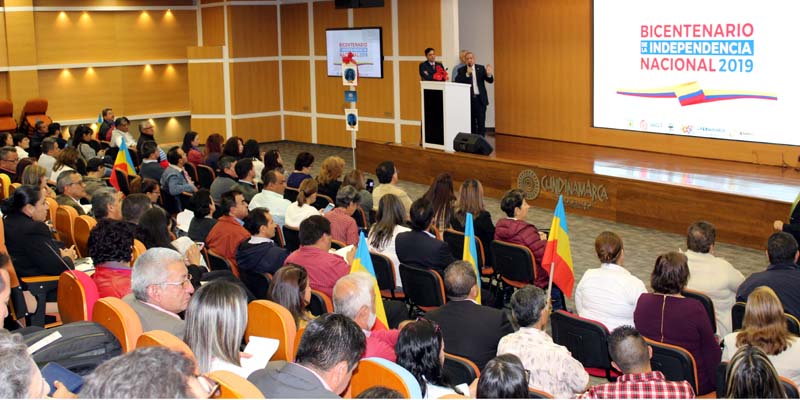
x,y
445,112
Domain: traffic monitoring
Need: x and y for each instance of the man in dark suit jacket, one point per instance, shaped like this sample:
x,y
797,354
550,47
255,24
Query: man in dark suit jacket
x,y
329,351
150,167
782,275
419,247
469,329
428,68
476,75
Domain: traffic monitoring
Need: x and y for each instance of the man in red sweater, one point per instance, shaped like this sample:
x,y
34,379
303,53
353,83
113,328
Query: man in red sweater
x,y
324,268
229,231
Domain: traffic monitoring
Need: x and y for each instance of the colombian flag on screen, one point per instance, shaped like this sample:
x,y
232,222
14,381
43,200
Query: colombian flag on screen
x,y
362,262
123,163
470,252
557,251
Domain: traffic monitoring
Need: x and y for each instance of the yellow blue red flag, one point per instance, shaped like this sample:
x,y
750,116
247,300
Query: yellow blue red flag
x,y
470,252
362,262
123,162
557,253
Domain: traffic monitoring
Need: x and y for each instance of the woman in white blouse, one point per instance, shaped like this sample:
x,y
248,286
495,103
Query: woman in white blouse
x,y
301,209
420,350
390,218
609,294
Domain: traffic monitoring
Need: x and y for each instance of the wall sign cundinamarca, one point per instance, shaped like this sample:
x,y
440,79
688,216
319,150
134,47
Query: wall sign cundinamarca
x,y
577,193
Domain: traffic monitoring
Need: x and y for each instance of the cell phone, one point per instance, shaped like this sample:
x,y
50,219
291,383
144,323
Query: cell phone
x,y
370,185
200,245
53,372
328,208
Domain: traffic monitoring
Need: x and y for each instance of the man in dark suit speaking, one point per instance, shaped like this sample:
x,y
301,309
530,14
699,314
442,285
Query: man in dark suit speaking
x,y
428,67
476,75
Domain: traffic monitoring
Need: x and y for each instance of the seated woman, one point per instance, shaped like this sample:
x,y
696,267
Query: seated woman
x,y
356,179
442,196
22,143
80,141
504,377
203,219
343,225
252,151
470,200
36,175
752,376
191,149
420,350
290,288
609,294
215,322
330,171
272,160
764,327
666,316
213,150
154,230
234,147
29,241
390,219
66,160
302,170
301,209
110,247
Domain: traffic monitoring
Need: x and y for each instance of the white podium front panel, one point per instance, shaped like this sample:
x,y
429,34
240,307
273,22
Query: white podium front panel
x,y
445,112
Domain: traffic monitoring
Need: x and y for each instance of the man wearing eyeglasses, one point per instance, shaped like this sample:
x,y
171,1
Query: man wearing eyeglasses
x,y
8,161
161,290
71,190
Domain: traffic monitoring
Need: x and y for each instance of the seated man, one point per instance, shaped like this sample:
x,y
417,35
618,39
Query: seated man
x,y
161,290
631,355
134,206
782,275
271,196
95,171
225,237
246,174
323,268
260,254
354,297
551,366
121,132
419,247
343,225
71,190
151,167
20,376
387,179
226,178
175,180
48,157
8,162
329,351
469,329
107,203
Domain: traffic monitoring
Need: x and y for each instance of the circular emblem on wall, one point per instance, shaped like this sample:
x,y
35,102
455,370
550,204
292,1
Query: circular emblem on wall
x,y
528,182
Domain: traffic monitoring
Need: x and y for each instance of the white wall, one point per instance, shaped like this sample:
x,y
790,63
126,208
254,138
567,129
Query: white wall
x,y
476,34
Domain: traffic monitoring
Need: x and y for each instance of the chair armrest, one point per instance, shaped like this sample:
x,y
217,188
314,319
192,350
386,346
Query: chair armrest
x,y
39,279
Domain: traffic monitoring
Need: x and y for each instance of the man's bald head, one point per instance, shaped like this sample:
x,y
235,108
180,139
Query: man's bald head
x,y
629,350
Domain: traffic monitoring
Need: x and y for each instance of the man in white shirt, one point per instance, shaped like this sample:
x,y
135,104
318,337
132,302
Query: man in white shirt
x,y
48,157
271,196
713,276
387,177
121,132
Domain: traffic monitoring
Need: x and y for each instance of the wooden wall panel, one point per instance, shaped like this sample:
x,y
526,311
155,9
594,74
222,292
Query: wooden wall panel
x,y
254,87
411,134
376,96
81,3
22,86
332,132
3,42
206,92
294,30
81,93
263,129
296,86
157,89
377,16
253,31
410,102
330,97
213,26
20,38
377,131
4,87
297,129
419,25
326,16
155,34
206,126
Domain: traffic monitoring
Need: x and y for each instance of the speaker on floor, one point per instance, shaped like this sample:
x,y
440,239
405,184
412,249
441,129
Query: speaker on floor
x,y
469,143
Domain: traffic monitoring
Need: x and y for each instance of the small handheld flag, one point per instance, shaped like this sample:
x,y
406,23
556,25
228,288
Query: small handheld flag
x,y
362,262
557,254
470,252
123,163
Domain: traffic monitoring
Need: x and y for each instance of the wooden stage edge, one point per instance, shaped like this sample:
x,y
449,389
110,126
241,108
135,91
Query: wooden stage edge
x,y
656,191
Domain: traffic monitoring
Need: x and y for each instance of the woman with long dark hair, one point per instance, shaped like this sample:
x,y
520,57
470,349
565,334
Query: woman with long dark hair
x,y
81,139
470,200
752,376
203,219
252,151
213,150
504,377
390,219
154,230
441,195
420,350
273,160
191,149
234,147
302,169
290,288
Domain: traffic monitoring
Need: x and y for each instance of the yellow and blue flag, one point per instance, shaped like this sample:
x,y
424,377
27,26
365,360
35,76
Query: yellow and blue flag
x,y
557,253
470,252
123,162
362,262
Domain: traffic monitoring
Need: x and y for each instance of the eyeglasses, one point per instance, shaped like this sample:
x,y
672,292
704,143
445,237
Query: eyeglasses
x,y
80,182
181,283
210,387
14,161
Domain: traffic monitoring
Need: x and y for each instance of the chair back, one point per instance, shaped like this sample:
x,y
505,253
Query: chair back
x,y
7,121
233,386
291,193
205,176
119,318
706,302
191,169
538,394
361,218
320,303
165,339
5,186
587,340
272,320
792,324
675,362
514,263
459,369
322,201
423,287
52,206
138,249
291,237
375,371
257,283
33,111
77,294
65,223
455,240
384,271
80,166
122,181
220,263
790,388
279,241
82,228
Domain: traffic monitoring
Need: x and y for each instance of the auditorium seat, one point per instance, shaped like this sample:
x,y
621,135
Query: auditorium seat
x,y
375,371
7,121
322,201
278,239
290,194
219,263
460,369
272,320
538,394
65,224
191,169
361,219
119,318
233,386
737,319
205,176
52,206
337,244
33,111
513,263
320,303
165,339
291,237
138,249
384,274
455,240
77,294
424,288
586,339
675,362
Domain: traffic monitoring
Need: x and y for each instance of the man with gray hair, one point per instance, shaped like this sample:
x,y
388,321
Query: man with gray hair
x,y
71,190
551,366
19,374
343,225
107,203
161,289
354,297
8,161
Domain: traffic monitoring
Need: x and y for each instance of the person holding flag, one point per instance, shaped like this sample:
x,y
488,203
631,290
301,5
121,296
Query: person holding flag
x,y
558,258
123,163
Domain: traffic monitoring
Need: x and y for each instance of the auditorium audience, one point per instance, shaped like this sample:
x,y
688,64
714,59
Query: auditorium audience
x,y
36,175
356,179
470,200
71,190
228,232
54,131
121,132
552,367
23,144
147,134
150,167
273,160
245,173
711,275
329,351
152,189
28,239
67,160
302,169
343,226
47,158
667,316
442,197
202,222
252,152
330,171
470,330
154,372
110,247
389,224
234,147
323,268
107,203
503,377
750,375
419,247
9,159
765,327
36,145
302,208
271,196
387,184
631,355
354,297
175,179
155,230
420,349
95,171
134,206
226,178
161,290
81,139
781,276
213,150
107,125
215,322
609,294
290,288
260,254
191,147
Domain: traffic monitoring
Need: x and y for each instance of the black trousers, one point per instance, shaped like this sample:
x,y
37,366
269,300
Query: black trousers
x,y
478,116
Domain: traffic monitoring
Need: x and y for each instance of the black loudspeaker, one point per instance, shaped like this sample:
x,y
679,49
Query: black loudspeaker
x,y
469,143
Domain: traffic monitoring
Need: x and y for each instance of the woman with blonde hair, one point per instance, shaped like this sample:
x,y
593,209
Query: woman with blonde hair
x,y
36,175
328,179
750,375
301,209
764,327
470,200
442,197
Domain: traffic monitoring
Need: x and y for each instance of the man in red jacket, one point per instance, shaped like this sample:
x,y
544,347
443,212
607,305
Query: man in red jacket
x,y
229,231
